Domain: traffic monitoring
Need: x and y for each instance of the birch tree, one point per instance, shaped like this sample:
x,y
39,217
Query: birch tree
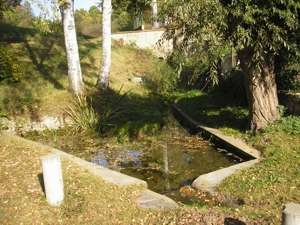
x,y
103,81
155,14
74,68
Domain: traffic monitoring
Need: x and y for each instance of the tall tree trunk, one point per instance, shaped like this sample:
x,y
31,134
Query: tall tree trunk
x,y
103,81
74,68
262,92
155,14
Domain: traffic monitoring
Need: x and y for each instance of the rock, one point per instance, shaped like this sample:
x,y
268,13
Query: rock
x,y
47,122
26,125
7,125
137,80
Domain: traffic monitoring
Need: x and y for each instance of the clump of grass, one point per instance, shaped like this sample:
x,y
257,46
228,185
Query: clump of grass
x,y
83,115
289,125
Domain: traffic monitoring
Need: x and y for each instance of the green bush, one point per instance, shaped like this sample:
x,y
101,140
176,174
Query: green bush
x,y
122,21
10,70
288,79
289,125
163,81
83,115
200,69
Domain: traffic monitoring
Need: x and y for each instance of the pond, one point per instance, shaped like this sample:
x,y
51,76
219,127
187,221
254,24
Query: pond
x,y
168,161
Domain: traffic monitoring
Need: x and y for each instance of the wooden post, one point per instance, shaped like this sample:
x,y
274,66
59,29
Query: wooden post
x,y
291,214
53,181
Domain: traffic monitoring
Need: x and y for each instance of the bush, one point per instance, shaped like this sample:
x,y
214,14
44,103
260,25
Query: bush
x,y
10,70
163,81
122,21
288,80
89,23
201,69
83,115
289,125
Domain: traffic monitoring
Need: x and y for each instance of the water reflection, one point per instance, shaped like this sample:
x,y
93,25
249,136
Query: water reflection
x,y
100,159
167,164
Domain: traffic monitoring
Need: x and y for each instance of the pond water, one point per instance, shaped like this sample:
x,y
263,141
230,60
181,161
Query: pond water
x,y
167,164
167,161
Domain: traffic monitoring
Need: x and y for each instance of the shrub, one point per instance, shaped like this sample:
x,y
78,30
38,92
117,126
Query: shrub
x,y
9,68
121,21
289,125
288,79
163,81
83,115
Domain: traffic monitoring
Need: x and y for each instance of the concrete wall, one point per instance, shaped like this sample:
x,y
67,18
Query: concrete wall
x,y
147,40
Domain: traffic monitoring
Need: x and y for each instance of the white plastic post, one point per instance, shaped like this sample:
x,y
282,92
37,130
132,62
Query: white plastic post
x,y
291,214
53,180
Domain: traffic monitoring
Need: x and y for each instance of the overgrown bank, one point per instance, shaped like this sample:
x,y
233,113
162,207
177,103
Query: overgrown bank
x,y
275,181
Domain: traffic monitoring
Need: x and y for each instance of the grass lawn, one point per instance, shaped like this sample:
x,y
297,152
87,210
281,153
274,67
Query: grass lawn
x,y
275,181
42,60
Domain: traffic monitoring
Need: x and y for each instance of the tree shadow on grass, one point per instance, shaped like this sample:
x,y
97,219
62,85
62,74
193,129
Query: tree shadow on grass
x,y
232,221
38,58
129,115
14,34
216,109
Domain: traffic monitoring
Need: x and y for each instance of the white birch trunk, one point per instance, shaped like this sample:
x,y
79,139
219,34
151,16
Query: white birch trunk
x,y
155,14
74,68
103,81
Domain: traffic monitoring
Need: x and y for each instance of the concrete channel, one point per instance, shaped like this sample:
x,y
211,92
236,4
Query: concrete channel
x,y
210,181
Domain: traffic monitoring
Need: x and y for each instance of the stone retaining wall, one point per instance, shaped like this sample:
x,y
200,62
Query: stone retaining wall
x,y
152,39
26,125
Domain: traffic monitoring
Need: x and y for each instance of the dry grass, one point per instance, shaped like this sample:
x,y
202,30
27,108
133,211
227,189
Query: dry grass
x,y
44,82
88,200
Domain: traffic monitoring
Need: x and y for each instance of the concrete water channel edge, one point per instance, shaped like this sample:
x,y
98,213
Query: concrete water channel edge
x,y
210,181
206,182
147,199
